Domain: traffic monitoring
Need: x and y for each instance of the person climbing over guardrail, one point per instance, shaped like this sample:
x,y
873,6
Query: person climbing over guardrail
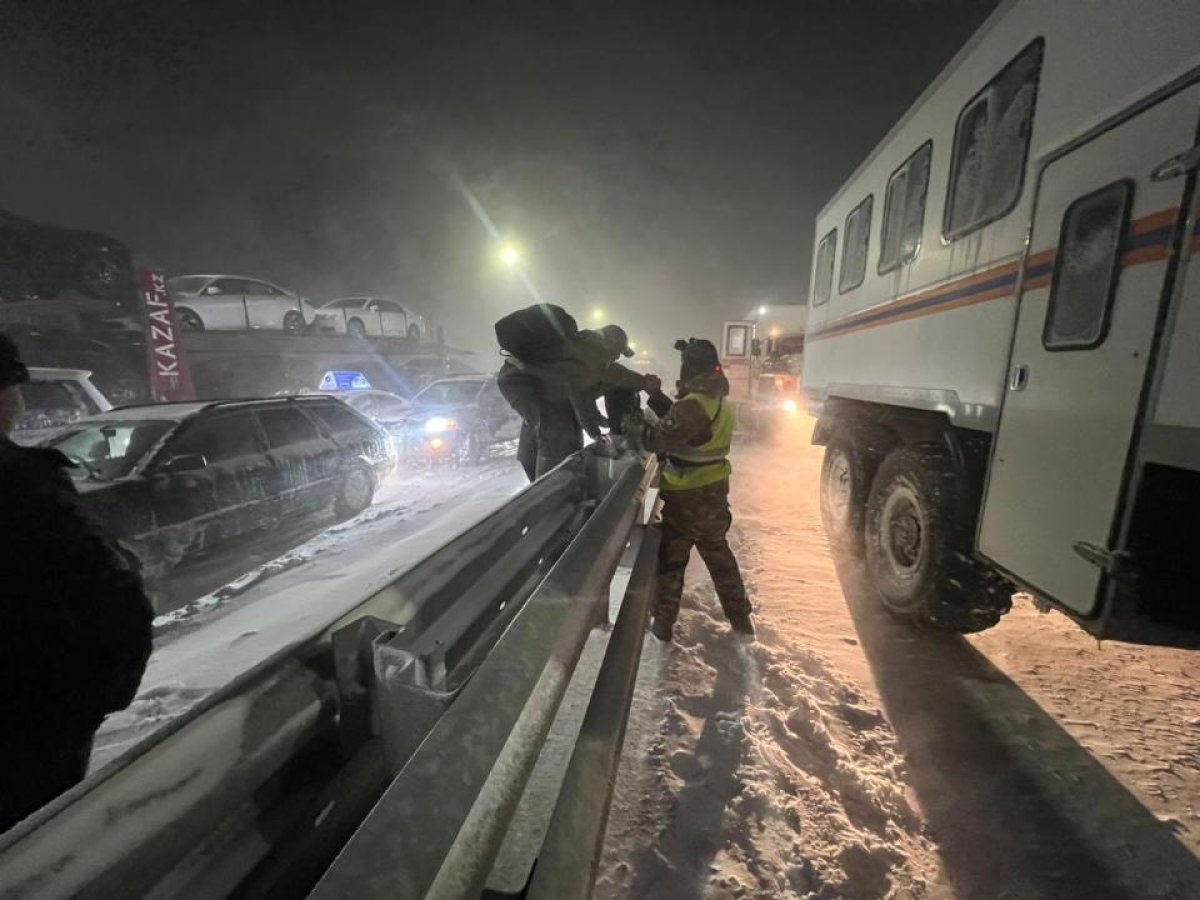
x,y
693,435
552,378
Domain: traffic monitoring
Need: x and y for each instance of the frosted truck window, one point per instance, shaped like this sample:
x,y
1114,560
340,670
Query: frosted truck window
x,y
854,254
1086,270
991,145
823,272
904,210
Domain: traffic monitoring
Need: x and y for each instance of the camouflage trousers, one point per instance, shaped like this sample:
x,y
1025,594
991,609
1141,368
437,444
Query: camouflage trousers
x,y
698,518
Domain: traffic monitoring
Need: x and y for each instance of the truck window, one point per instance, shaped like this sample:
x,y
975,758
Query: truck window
x,y
854,253
991,144
904,210
1086,269
823,271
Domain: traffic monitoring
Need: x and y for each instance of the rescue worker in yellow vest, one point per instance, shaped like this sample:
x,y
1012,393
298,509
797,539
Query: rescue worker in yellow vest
x,y
693,435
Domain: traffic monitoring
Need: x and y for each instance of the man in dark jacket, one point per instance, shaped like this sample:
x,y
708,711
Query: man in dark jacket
x,y
75,631
693,436
556,398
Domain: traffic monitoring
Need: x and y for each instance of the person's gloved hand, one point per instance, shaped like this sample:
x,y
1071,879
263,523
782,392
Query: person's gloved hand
x,y
653,384
605,445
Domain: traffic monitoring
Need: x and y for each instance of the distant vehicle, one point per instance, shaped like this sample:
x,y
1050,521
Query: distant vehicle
x,y
383,407
116,359
170,481
775,402
39,262
370,317
456,419
54,400
234,303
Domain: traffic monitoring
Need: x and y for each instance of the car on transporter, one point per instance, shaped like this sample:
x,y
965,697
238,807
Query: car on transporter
x,y
370,317
236,303
170,482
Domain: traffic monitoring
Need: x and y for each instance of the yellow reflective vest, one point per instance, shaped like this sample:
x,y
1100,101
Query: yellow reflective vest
x,y
697,467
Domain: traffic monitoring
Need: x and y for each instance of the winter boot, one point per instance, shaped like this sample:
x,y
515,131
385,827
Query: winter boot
x,y
741,625
662,628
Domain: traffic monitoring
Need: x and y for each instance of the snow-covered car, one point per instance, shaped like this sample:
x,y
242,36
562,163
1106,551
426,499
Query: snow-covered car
x,y
458,418
55,399
235,303
370,317
776,402
39,262
384,407
170,481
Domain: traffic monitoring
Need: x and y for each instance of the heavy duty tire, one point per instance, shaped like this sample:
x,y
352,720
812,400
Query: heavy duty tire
x,y
189,320
845,481
918,553
293,322
355,328
355,493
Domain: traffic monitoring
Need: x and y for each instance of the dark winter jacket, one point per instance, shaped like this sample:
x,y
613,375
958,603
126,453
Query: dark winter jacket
x,y
582,374
75,624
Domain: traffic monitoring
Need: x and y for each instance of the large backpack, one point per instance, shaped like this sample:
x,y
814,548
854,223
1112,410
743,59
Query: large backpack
x,y
538,333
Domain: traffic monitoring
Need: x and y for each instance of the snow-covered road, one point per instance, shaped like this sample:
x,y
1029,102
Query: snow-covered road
x,y
278,602
844,756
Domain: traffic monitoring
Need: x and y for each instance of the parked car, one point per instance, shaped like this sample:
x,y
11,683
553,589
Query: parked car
x,y
170,481
55,399
39,262
370,317
458,418
234,303
116,359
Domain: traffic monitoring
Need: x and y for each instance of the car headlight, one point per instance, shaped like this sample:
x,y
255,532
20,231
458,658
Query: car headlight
x,y
438,424
789,405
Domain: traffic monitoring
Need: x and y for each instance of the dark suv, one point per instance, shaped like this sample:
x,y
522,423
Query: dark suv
x,y
169,481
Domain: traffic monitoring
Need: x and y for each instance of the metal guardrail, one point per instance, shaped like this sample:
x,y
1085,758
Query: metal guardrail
x,y
436,830
567,866
462,659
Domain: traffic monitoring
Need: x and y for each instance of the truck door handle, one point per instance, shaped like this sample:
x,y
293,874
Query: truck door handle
x,y
1019,377
1177,166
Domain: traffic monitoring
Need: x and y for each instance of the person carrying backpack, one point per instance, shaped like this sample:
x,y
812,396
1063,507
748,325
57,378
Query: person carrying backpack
x,y
552,378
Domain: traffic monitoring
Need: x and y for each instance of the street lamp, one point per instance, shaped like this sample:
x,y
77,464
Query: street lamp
x,y
510,254
598,315
762,310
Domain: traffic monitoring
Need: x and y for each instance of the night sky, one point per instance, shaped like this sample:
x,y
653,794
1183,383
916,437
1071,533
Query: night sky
x,y
661,160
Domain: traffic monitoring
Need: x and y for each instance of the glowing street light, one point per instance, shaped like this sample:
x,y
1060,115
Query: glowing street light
x,y
510,254
598,315
762,310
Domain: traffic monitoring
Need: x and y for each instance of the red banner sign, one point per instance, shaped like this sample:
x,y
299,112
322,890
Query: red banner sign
x,y
170,378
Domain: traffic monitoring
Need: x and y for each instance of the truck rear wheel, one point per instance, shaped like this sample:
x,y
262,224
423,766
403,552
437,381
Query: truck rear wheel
x,y
917,551
845,481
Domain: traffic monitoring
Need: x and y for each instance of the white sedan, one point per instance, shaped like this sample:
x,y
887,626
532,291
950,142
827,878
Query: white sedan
x,y
234,303
370,316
